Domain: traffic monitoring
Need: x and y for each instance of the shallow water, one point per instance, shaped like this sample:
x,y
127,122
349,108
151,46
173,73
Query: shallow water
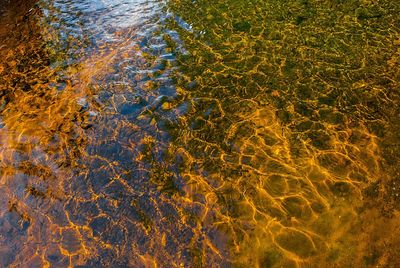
x,y
182,133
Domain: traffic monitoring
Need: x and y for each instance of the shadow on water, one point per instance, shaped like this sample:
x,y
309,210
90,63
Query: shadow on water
x,y
199,134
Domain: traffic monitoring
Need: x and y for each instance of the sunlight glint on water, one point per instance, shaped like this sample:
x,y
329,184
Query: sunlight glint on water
x,y
199,133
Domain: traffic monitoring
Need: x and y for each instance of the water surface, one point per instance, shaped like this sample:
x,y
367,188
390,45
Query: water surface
x,y
182,133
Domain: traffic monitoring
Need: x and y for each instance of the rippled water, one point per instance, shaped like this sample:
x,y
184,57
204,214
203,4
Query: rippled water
x,y
203,133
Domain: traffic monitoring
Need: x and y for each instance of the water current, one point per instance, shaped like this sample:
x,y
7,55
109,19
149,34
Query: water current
x,y
199,133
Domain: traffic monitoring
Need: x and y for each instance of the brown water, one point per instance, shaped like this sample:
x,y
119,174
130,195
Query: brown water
x,y
183,133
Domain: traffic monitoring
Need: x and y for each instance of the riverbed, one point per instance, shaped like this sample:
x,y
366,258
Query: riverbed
x,y
199,133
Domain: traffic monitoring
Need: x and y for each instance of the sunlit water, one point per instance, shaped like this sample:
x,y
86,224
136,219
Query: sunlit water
x,y
199,133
